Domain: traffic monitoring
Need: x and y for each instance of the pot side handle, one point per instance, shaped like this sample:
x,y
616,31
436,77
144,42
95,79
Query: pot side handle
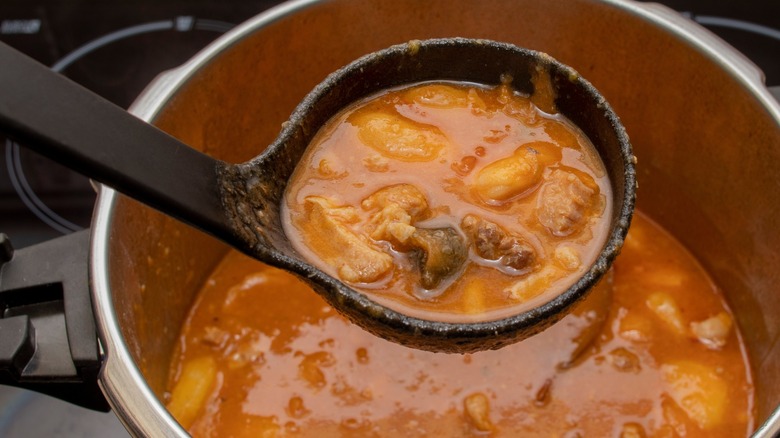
x,y
48,340
775,91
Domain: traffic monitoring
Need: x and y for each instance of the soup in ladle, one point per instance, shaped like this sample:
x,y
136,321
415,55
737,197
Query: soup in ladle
x,y
451,201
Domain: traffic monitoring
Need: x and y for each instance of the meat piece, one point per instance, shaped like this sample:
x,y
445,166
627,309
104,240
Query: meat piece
x,y
214,336
491,242
397,208
440,252
355,259
515,253
404,196
565,201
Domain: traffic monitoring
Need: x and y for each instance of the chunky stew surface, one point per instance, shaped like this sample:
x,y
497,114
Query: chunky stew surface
x,y
653,352
451,199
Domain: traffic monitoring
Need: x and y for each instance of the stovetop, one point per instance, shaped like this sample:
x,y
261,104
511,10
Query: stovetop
x,y
116,49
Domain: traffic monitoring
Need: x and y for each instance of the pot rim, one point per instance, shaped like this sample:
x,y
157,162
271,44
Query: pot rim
x,y
131,398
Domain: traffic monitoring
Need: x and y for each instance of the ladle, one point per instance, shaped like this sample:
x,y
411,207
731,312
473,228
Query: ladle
x,y
240,203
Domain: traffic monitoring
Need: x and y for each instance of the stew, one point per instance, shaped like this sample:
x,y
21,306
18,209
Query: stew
x,y
653,352
451,198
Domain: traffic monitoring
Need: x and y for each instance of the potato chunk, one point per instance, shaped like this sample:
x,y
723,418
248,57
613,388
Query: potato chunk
x,y
477,407
666,309
698,390
634,326
533,284
355,259
567,257
258,426
438,96
508,177
474,297
565,201
190,393
547,153
399,138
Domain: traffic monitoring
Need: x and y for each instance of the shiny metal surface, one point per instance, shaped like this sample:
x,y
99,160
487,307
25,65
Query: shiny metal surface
x,y
676,87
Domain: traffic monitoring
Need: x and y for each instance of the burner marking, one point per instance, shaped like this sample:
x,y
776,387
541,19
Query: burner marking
x,y
214,25
27,27
738,24
184,23
13,155
110,38
28,196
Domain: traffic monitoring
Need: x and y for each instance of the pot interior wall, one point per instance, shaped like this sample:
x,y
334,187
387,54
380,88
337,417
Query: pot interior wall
x,y
707,149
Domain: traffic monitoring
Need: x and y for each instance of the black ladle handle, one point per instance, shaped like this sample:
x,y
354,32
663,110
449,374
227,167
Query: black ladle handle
x,y
84,132
61,120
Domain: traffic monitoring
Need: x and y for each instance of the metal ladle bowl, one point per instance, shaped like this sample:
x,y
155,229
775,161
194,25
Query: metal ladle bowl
x,y
240,203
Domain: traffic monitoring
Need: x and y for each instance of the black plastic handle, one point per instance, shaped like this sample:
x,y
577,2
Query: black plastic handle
x,y
62,120
49,343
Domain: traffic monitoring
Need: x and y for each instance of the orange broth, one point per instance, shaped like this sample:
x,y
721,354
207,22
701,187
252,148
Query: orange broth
x,y
261,355
450,201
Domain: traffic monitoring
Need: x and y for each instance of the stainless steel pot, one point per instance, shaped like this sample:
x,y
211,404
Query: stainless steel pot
x,y
705,129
